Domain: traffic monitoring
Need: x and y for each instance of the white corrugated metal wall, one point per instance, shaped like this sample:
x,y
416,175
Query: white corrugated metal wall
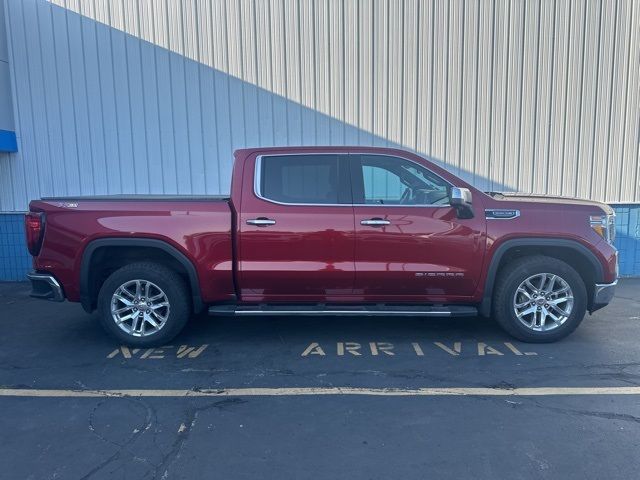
x,y
153,95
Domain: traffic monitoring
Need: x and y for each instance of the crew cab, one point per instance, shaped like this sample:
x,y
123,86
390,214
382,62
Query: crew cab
x,y
326,231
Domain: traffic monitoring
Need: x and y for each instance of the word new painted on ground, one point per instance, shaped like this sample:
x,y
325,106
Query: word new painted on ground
x,y
168,351
418,349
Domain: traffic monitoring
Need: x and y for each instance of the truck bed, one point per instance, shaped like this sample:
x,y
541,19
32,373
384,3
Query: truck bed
x,y
196,227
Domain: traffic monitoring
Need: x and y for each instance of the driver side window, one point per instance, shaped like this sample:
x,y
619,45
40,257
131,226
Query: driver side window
x,y
381,186
396,181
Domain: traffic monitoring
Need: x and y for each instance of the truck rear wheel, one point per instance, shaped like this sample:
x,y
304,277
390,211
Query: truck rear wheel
x,y
144,304
539,299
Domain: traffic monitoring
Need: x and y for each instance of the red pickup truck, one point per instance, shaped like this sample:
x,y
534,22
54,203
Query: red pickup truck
x,y
326,231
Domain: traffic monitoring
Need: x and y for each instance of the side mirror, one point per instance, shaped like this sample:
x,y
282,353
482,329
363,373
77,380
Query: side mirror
x,y
460,199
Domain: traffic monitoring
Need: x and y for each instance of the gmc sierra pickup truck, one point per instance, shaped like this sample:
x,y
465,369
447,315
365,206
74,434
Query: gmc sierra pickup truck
x,y
326,231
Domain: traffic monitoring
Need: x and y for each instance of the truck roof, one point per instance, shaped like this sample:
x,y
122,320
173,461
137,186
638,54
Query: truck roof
x,y
323,149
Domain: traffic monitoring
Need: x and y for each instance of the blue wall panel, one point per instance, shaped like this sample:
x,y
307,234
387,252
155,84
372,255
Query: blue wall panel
x,y
15,261
628,238
8,142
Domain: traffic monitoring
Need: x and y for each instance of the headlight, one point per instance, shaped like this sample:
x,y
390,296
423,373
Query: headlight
x,y
605,226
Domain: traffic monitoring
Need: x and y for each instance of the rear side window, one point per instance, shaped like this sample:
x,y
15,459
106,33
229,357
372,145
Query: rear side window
x,y
302,179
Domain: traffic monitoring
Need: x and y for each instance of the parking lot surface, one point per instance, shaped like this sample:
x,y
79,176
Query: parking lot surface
x,y
317,398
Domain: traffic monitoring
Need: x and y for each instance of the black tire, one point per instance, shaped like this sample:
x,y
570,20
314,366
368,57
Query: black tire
x,y
168,281
513,274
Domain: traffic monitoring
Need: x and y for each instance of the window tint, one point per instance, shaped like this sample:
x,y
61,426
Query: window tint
x,y
300,178
396,181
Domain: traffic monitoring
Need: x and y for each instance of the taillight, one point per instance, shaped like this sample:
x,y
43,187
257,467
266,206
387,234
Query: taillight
x,y
34,230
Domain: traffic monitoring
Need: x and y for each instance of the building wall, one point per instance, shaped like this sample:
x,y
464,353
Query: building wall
x,y
7,129
153,96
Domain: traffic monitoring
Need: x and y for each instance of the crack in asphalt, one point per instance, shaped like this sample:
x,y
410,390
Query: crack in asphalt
x,y
120,447
182,437
627,417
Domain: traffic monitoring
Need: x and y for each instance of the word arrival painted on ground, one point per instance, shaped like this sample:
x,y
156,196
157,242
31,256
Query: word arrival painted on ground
x,y
168,351
453,349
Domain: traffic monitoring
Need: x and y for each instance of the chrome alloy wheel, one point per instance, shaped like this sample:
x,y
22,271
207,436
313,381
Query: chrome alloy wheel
x,y
140,308
543,302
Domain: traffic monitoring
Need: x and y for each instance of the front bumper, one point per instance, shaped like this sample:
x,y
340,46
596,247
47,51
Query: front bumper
x,y
603,294
45,286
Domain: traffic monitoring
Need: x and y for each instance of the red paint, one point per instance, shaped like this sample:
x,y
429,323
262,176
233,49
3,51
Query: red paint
x,y
317,253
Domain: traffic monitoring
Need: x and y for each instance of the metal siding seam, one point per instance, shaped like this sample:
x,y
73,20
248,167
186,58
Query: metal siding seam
x,y
559,86
185,62
226,74
446,83
476,72
551,103
350,79
408,108
12,197
100,87
122,103
505,102
161,152
543,91
134,158
180,110
578,159
626,102
484,85
595,79
454,107
344,71
605,152
521,82
461,95
89,120
250,73
432,83
115,98
206,78
59,109
27,135
417,91
385,115
167,109
566,102
272,88
534,158
632,111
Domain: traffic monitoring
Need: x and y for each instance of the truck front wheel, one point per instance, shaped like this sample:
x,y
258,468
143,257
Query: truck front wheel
x,y
143,304
539,299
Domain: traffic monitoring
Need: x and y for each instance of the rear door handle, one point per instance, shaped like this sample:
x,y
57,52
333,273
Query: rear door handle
x,y
375,222
261,222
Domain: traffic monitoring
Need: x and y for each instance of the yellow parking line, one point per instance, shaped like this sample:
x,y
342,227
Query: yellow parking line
x,y
312,391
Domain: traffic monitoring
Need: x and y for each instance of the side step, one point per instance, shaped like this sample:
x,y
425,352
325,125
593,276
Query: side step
x,y
381,310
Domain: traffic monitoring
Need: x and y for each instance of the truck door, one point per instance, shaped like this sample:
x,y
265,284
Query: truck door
x,y
410,245
296,228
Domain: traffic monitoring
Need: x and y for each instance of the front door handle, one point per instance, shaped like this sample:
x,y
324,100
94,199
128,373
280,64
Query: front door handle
x,y
261,222
375,222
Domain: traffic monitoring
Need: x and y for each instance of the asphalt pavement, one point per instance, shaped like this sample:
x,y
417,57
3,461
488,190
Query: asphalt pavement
x,y
332,397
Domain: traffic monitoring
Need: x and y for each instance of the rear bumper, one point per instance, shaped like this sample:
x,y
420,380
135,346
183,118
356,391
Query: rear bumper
x,y
45,286
603,294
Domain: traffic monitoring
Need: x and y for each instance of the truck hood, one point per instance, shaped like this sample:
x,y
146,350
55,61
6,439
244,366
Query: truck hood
x,y
546,199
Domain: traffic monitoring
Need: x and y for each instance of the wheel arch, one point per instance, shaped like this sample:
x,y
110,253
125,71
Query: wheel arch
x,y
88,293
572,252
